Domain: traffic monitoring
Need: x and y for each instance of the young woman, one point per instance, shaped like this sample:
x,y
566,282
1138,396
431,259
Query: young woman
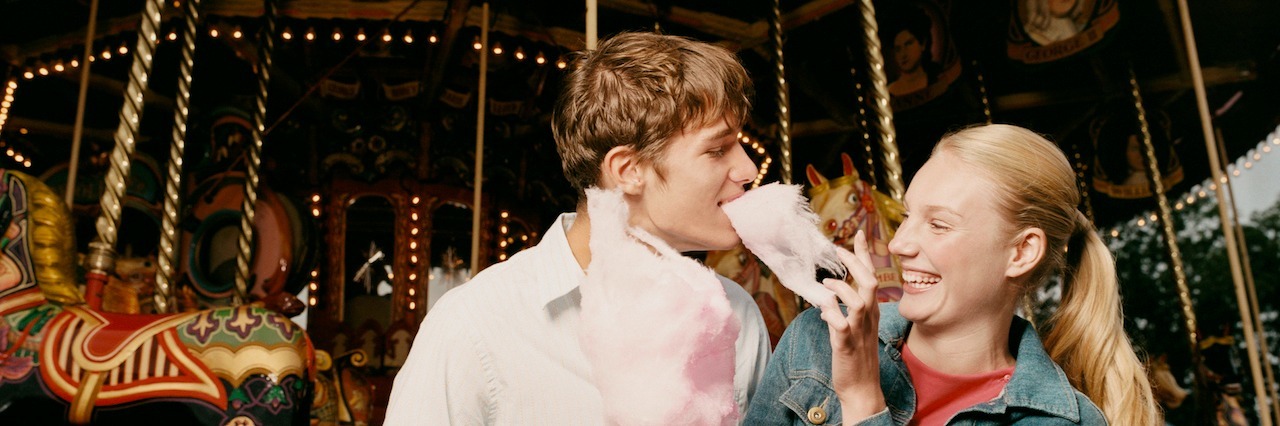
x,y
991,216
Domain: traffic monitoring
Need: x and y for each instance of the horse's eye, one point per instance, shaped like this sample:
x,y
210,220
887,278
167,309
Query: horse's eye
x,y
831,225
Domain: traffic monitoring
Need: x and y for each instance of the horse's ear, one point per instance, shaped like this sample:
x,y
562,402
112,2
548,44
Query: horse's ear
x,y
815,178
848,165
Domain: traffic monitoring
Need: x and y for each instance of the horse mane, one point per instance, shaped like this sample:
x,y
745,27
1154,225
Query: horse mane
x,y
51,239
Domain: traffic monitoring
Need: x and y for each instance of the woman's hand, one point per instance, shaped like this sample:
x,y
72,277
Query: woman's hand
x,y
855,358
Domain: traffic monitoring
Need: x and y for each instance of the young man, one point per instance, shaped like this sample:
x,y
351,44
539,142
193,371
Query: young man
x,y
656,117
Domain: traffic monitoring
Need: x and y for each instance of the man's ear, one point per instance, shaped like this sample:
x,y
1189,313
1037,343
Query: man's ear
x,y
621,169
1028,249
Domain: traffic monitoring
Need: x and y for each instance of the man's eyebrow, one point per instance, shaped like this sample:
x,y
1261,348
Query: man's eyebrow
x,y
722,134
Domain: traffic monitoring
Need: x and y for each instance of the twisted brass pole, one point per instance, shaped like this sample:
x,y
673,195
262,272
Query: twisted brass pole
x,y
253,153
101,258
784,103
884,114
1170,234
164,297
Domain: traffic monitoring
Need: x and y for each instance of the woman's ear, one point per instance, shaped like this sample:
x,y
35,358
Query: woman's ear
x,y
621,169
1028,249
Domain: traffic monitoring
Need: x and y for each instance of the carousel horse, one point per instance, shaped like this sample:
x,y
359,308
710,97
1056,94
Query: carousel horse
x,y
343,395
777,303
846,205
61,362
1164,386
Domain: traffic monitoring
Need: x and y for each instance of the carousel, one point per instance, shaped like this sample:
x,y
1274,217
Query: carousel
x,y
239,212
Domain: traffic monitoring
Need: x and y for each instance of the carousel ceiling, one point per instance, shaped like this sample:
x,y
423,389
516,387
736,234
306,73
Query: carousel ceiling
x,y
356,80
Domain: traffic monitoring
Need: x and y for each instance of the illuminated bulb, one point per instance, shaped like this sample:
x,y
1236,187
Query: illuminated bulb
x,y
58,67
313,286
1248,165
337,34
123,49
433,38
502,229
172,36
475,43
540,59
497,48
502,256
760,150
413,276
360,35
413,259
213,32
502,244
1142,222
504,215
391,275
414,216
315,212
313,301
287,34
18,158
315,198
1235,172
27,163
413,245
236,33
311,34
415,200
386,36
412,291
1256,157
315,273
561,64
28,75
413,305
431,276
44,71
414,231
524,238
408,36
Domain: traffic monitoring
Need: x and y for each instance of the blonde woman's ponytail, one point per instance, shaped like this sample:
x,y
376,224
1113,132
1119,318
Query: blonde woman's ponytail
x,y
1087,336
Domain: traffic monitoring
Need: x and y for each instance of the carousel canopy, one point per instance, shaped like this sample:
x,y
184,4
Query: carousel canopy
x,y
354,76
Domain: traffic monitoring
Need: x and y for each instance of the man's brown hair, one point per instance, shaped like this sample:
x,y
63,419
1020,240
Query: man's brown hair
x,y
640,90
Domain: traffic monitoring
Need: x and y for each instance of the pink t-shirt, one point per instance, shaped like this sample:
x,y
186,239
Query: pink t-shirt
x,y
940,396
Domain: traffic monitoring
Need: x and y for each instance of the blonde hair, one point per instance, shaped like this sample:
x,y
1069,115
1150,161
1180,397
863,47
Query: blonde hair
x,y
1037,189
640,90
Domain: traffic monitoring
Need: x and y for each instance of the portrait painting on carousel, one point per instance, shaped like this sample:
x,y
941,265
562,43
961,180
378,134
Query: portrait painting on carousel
x,y
1120,169
1048,30
920,59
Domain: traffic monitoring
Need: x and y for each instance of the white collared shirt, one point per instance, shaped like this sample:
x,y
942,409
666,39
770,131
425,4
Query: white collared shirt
x,y
503,348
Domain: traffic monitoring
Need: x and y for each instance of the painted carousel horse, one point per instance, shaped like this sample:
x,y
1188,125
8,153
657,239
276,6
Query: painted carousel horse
x,y
846,205
61,362
777,303
343,395
1164,386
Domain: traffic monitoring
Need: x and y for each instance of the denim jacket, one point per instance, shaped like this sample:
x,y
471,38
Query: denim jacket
x,y
796,388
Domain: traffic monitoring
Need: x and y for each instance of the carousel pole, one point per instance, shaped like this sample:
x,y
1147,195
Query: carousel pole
x,y
479,179
164,297
1170,234
780,80
1251,288
1233,256
884,114
253,157
78,131
101,258
593,26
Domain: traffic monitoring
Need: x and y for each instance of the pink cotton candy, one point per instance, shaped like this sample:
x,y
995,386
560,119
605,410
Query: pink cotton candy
x,y
777,225
657,327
